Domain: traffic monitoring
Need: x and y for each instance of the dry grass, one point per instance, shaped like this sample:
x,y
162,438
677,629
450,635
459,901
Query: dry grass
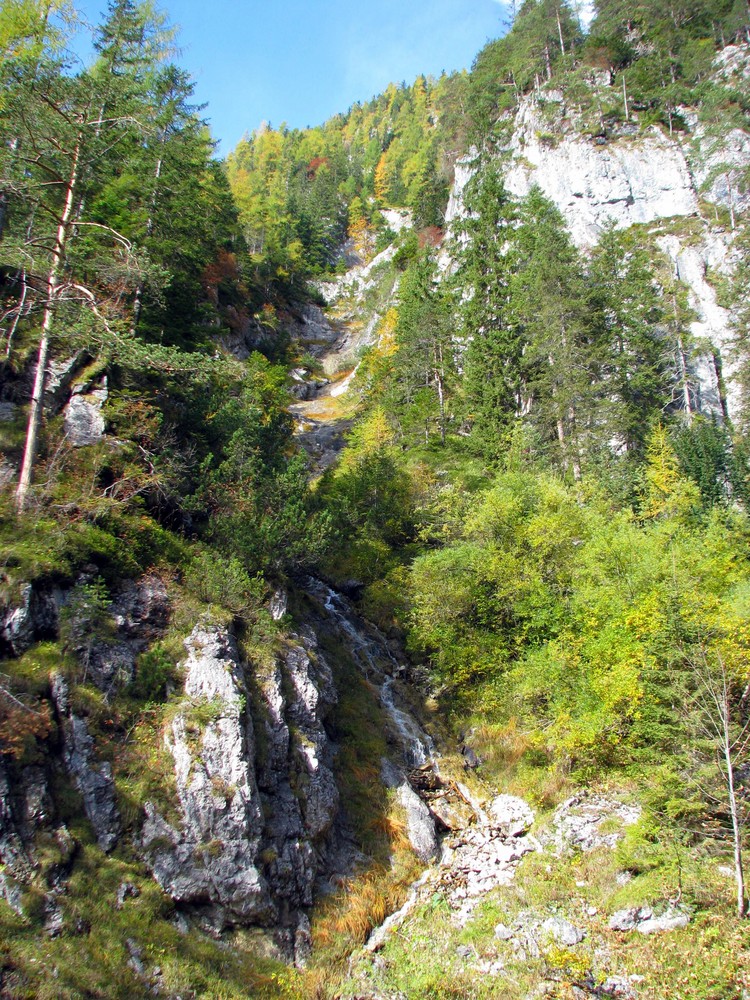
x,y
346,919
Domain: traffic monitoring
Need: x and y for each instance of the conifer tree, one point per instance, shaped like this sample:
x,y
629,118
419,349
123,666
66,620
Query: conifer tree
x,y
487,259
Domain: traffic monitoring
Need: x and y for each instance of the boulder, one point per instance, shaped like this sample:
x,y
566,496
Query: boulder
x,y
671,920
511,814
563,932
420,826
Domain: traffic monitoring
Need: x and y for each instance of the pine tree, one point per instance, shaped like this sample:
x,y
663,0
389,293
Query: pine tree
x,y
487,260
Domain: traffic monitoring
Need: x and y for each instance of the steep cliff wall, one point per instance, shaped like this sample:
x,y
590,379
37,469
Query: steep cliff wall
x,y
634,177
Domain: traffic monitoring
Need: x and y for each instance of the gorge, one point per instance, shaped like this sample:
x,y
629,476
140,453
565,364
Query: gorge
x,y
374,621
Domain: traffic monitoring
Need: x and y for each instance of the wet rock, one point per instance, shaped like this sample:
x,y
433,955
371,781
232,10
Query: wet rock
x,y
420,826
563,932
8,411
92,777
471,760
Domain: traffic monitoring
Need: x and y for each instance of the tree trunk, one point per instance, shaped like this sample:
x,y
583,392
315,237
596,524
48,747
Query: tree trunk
x,y
686,396
625,98
19,311
40,377
726,750
559,31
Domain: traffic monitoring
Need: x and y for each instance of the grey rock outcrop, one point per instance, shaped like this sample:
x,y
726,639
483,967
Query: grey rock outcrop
x,y
310,326
256,791
30,618
295,772
93,778
61,373
582,823
211,860
84,422
139,614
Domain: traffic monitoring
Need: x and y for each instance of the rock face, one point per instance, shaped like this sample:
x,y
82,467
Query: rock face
x,y
639,178
84,422
92,777
60,375
625,182
310,326
140,611
211,860
256,798
31,618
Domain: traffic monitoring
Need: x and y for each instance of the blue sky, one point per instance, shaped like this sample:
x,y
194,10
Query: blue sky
x,y
301,61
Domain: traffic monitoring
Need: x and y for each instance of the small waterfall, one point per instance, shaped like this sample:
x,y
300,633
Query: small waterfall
x,y
372,652
419,748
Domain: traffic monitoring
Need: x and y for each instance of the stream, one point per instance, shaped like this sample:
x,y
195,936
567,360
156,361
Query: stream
x,y
373,655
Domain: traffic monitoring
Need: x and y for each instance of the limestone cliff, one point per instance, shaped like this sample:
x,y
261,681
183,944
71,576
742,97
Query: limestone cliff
x,y
631,177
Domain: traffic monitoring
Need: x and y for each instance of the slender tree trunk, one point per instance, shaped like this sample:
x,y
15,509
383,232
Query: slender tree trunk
x,y
721,385
736,825
725,729
18,314
40,377
686,396
548,62
559,31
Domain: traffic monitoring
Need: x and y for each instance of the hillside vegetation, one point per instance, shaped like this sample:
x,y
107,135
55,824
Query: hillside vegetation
x,y
538,506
